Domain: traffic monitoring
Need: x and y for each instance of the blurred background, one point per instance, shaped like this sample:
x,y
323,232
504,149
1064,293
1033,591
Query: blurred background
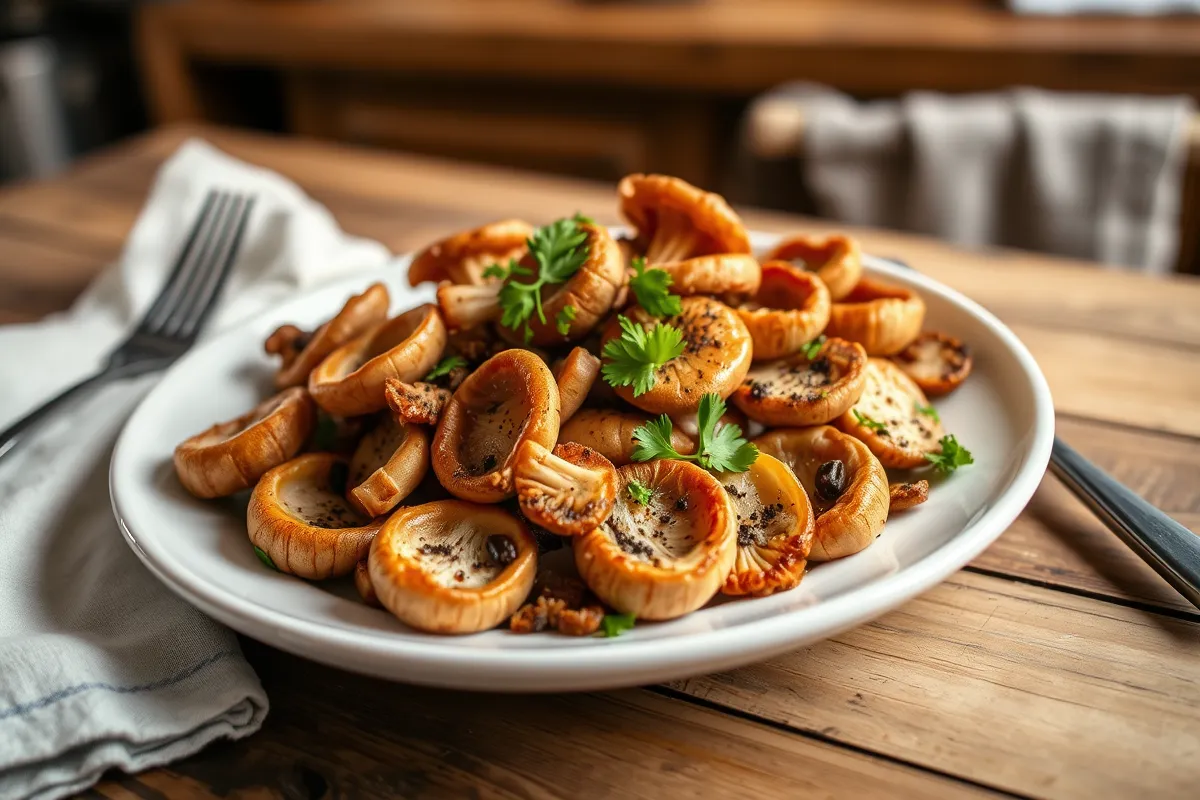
x,y
1064,126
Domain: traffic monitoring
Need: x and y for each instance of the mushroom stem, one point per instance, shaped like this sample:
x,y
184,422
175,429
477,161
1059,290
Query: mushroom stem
x,y
674,239
467,306
568,492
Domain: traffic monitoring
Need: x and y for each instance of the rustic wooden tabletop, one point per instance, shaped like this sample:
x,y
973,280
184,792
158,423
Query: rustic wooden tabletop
x,y
1056,665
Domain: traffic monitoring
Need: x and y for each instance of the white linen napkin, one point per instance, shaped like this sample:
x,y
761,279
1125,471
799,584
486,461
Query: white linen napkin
x,y
100,665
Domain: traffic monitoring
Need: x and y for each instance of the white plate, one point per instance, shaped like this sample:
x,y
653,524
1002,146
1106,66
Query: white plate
x,y
200,550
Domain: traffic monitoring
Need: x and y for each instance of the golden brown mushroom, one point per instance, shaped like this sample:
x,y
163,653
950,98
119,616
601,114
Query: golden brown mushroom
x,y
903,496
462,258
837,260
567,491
669,556
418,403
846,485
676,221
466,306
301,351
610,433
575,376
732,276
298,516
880,317
362,584
936,362
798,391
509,399
774,527
350,380
387,465
893,417
232,456
789,311
452,566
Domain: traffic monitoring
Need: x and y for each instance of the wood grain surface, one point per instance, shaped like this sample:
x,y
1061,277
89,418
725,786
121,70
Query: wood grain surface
x,y
1057,665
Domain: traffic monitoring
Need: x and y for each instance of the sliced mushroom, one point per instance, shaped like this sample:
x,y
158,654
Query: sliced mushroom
x,y
903,496
668,557
837,260
299,516
676,221
452,566
846,485
301,351
880,317
575,376
888,417
936,362
733,276
388,464
362,583
716,356
568,491
231,456
418,403
350,380
796,391
774,528
509,399
463,257
610,433
789,311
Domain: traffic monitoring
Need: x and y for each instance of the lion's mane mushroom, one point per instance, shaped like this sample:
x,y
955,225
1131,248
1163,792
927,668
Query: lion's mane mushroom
x,y
463,257
511,398
388,464
936,362
567,491
301,351
452,566
298,516
789,311
350,380
575,375
676,221
892,417
846,485
774,527
669,556
231,456
836,260
610,433
801,391
731,276
881,317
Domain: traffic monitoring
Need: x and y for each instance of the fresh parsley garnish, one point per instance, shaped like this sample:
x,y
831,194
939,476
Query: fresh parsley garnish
x,y
445,367
811,349
720,448
650,288
928,411
264,558
639,492
503,271
564,319
583,219
559,252
637,353
953,456
866,422
616,624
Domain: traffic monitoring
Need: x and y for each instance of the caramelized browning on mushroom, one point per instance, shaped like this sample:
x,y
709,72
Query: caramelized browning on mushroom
x,y
676,221
881,317
836,260
362,584
789,311
936,362
418,403
893,417
904,496
301,351
462,258
568,491
802,391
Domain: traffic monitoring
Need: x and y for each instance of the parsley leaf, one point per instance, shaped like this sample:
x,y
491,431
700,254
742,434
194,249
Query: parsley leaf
x,y
650,288
445,366
811,349
503,271
559,252
952,457
264,558
639,492
616,624
637,354
866,422
928,411
564,319
583,219
720,448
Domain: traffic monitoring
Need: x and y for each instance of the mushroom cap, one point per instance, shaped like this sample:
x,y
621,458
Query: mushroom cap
x,y
892,399
774,527
231,456
716,356
733,276
836,259
850,523
610,433
567,491
301,519
350,380
796,391
903,496
881,317
666,558
682,220
575,374
431,566
510,398
360,313
937,362
789,311
387,465
462,258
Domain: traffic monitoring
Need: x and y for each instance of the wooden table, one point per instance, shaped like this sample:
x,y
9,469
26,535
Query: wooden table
x,y
1055,665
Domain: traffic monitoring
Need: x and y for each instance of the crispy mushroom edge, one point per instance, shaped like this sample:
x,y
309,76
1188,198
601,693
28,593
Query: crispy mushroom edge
x,y
790,310
836,259
906,495
937,362
568,491
793,392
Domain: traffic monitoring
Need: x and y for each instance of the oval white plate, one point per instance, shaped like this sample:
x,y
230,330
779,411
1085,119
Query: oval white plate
x,y
1003,414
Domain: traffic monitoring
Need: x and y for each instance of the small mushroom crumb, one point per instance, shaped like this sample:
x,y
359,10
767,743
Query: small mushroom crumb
x,y
501,549
831,480
906,495
551,612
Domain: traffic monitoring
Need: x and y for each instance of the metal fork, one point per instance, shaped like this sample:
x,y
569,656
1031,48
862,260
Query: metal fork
x,y
179,312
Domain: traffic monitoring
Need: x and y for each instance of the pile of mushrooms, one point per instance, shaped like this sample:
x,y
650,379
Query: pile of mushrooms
x,y
562,441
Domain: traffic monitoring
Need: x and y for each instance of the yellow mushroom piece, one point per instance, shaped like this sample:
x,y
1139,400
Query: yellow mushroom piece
x,y
804,391
387,465
789,311
463,257
837,260
301,352
567,491
676,221
883,318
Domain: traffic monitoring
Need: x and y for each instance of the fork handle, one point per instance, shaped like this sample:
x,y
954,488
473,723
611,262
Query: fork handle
x,y
1171,549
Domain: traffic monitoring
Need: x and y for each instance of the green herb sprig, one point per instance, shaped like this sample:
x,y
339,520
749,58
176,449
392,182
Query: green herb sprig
x,y
558,249
720,448
650,287
952,456
445,367
637,353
